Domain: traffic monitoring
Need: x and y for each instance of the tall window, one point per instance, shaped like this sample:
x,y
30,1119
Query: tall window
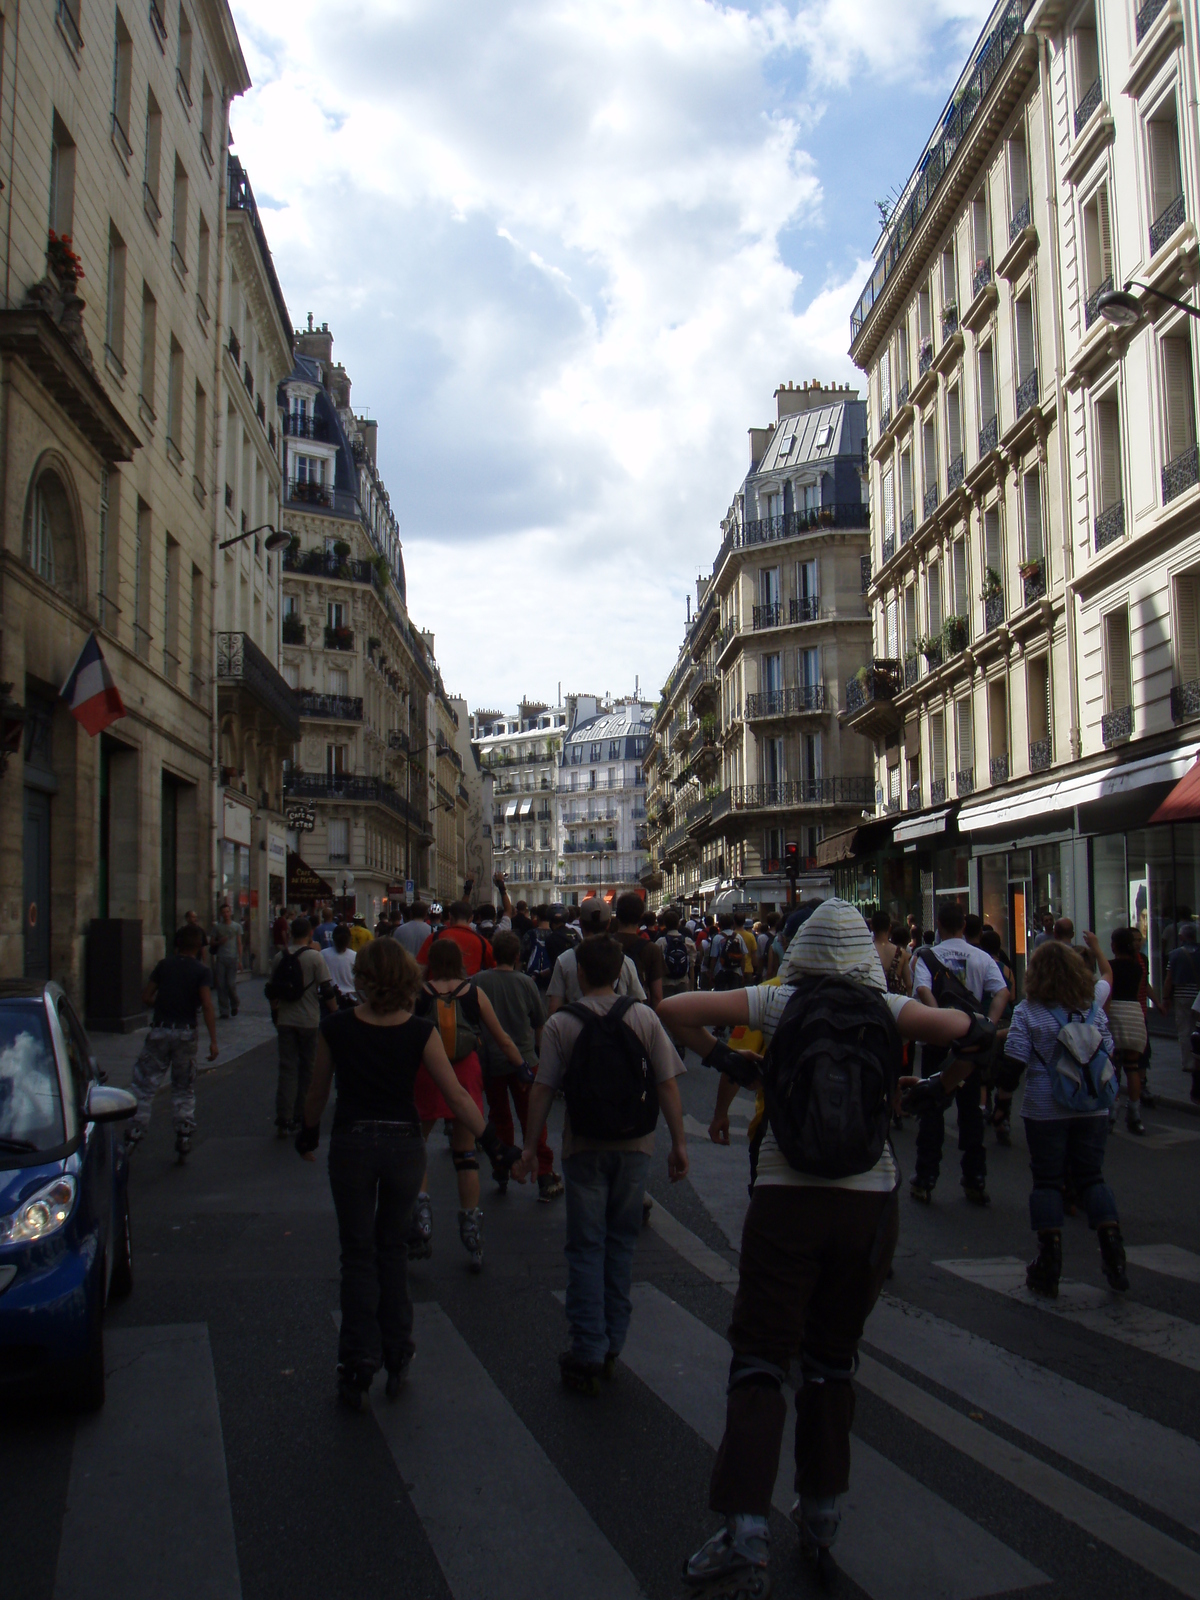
x,y
1166,178
889,507
202,266
892,628
1179,407
200,439
1097,251
949,280
179,206
987,391
122,80
958,569
1108,454
175,397
964,732
153,165
937,747
184,68
114,313
1018,183
933,586
41,534
171,611
1026,336
1118,693
929,451
885,382
149,333
1086,61
906,488
1037,693
981,241
206,116
954,447
105,573
993,557
998,729
1187,627
808,664
62,177
141,581
1031,495
339,827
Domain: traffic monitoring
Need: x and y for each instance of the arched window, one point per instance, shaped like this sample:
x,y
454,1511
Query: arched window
x,y
41,537
50,532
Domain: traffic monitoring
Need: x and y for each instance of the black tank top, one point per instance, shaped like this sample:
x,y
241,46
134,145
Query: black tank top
x,y
1127,978
374,1068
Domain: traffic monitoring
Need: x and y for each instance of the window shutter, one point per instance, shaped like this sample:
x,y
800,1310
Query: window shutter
x,y
991,541
1106,255
893,629
961,603
1033,515
953,428
933,583
966,734
1025,356
1187,627
1117,629
1108,440
1164,164
885,380
889,506
937,745
1177,386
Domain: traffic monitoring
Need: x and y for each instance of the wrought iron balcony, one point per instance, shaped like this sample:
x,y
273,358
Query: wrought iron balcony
x,y
1185,701
766,530
955,473
235,348
937,791
768,616
864,572
1040,755
345,787
804,792
956,635
933,657
914,797
1027,393
925,359
330,707
1035,585
902,394
907,524
292,629
885,419
1181,473
318,564
998,769
888,549
1110,525
1018,222
1087,105
949,322
806,609
931,499
786,702
912,670
983,276
993,612
870,694
964,782
241,662
339,638
1145,18
1091,308
1116,725
989,435
304,427
1168,220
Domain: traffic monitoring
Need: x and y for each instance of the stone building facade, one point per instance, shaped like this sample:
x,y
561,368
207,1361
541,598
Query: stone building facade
x,y
520,753
602,834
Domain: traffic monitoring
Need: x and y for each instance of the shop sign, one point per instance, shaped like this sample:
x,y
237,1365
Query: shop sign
x,y
235,820
276,852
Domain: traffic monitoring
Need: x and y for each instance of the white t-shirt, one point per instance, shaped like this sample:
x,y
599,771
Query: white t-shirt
x,y
341,968
564,980
971,965
767,1006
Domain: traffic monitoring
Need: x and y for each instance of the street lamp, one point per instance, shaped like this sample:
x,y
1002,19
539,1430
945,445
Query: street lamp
x,y
1124,310
275,540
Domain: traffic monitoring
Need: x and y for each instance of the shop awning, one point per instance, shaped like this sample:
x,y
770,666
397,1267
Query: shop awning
x,y
837,847
924,826
302,882
1183,802
1085,787
526,808
510,809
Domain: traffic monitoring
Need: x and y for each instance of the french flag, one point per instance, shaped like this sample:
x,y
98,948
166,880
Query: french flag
x,y
91,694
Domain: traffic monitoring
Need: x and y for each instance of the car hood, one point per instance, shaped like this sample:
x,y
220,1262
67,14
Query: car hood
x,y
18,1183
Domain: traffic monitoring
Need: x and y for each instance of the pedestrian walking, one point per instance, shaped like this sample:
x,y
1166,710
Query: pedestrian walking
x,y
646,956
887,938
179,986
564,988
821,1227
415,929
617,1068
339,960
1180,988
476,951
678,953
1127,1020
298,987
225,942
377,1156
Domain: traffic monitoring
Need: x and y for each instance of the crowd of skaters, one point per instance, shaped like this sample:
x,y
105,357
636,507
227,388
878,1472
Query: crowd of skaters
x,y
473,1017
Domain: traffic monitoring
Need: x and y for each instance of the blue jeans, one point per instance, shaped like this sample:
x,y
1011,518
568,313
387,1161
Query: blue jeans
x,y
1062,1146
604,1215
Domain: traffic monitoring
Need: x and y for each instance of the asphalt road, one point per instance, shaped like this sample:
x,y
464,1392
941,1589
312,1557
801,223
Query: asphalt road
x,y
999,1446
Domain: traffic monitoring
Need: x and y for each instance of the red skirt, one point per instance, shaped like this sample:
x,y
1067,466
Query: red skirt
x,y
428,1097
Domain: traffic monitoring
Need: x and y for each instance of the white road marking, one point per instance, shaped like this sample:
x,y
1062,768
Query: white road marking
x,y
699,1130
1169,1259
685,1243
1155,1332
148,1511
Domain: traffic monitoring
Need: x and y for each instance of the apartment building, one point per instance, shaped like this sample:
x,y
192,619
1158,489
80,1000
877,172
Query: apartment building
x,y
1036,489
450,802
748,751
520,752
115,136
602,835
365,677
257,718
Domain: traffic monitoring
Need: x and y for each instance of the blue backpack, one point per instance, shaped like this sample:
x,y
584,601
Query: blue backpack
x,y
1082,1076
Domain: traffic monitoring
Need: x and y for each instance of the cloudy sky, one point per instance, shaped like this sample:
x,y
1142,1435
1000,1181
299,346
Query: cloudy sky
x,y
568,249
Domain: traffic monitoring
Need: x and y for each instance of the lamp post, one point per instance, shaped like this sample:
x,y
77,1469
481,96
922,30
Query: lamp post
x,y
275,540
1124,310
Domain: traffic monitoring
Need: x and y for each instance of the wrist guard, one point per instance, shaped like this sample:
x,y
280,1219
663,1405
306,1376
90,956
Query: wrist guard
x,y
740,1068
1008,1074
502,1156
307,1139
927,1095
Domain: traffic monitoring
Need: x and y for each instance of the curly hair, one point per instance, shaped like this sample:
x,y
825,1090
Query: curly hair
x,y
386,976
1056,976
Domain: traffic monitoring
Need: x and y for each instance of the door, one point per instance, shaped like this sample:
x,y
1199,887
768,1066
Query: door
x,y
36,919
169,861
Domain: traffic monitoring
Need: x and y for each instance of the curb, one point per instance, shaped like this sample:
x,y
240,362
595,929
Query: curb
x,y
1169,1103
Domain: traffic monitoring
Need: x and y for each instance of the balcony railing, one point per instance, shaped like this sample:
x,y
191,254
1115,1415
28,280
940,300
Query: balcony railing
x,y
786,702
912,670
949,322
304,427
317,564
1027,393
1110,525
240,661
1018,222
806,609
803,792
989,435
955,473
907,524
1035,585
675,838
1185,701
768,616
993,612
930,503
330,707
1087,105
933,656
983,276
864,572
914,797
998,769
879,682
1091,308
235,348
888,549
1165,224
342,786
1040,755
902,393
925,359
766,530
339,638
1116,725
885,419
1181,473
964,782
937,791
292,629
1145,18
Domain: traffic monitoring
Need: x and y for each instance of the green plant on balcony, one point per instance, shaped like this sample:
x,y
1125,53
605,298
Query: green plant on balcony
x,y
383,571
1031,569
373,643
863,676
293,629
708,726
930,647
341,549
954,635
992,585
293,544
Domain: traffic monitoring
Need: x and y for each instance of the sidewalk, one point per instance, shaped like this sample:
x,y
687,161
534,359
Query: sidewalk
x,y
1167,1080
117,1052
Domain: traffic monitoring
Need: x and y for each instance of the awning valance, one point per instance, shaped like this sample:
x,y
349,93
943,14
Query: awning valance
x,y
526,808
1082,789
302,882
1183,802
837,847
510,810
923,826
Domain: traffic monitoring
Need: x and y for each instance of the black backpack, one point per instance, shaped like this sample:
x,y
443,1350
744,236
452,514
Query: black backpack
x,y
539,963
675,956
829,1076
287,981
609,1083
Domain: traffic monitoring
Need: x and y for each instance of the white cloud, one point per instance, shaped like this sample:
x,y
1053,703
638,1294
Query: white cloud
x,y
546,236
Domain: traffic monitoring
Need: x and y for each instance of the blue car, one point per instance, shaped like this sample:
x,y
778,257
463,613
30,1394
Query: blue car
x,y
64,1197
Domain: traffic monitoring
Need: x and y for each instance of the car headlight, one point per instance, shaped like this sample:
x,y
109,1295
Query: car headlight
x,y
42,1214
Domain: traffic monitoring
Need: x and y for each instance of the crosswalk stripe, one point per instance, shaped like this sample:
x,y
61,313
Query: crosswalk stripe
x,y
1155,1552
696,1129
892,1556
685,1243
1154,1332
1150,1462
473,1486
720,1175
145,1518
1169,1259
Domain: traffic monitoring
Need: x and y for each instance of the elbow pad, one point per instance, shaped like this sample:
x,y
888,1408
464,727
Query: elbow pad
x,y
740,1068
978,1039
1008,1074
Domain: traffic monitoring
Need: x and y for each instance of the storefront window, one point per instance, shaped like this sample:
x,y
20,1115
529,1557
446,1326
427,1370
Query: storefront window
x,y
1152,894
1109,887
951,871
993,893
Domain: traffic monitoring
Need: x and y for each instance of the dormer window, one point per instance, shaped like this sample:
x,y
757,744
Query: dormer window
x,y
824,436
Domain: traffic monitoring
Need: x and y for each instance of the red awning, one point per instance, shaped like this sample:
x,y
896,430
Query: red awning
x,y
1183,802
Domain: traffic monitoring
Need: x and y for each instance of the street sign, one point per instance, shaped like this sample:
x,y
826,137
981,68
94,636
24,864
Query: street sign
x,y
301,818
408,887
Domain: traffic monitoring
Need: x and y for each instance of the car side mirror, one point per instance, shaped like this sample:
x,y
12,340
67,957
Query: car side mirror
x,y
105,1104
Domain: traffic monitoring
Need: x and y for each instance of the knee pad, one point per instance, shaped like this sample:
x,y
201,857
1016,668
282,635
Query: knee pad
x,y
465,1161
817,1368
749,1369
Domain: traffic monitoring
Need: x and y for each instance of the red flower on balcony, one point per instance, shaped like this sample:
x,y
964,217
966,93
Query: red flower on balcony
x,y
61,258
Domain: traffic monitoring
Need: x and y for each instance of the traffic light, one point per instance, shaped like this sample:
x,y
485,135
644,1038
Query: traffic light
x,y
791,858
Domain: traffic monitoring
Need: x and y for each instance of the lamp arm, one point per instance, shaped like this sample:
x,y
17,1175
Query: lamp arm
x,y
1192,311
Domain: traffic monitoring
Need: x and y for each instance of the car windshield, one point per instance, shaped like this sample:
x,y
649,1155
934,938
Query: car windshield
x,y
31,1115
